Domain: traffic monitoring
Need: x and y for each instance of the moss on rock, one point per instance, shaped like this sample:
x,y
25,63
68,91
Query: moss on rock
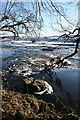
x,y
28,80
17,106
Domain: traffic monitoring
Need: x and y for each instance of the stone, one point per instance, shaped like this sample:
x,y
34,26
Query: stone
x,y
44,87
38,86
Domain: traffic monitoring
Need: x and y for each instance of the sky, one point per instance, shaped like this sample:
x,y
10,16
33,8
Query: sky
x,y
50,25
43,0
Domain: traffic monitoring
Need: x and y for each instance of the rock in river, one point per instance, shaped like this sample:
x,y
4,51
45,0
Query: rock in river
x,y
39,86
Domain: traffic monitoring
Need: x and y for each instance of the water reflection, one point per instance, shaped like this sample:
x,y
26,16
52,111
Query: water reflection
x,y
69,80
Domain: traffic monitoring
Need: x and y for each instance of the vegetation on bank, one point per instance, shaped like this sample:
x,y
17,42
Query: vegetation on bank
x,y
18,106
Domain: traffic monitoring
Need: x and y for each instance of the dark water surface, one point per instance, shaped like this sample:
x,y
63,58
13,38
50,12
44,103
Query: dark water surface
x,y
69,79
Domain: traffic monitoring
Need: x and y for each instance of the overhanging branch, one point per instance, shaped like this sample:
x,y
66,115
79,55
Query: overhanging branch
x,y
76,49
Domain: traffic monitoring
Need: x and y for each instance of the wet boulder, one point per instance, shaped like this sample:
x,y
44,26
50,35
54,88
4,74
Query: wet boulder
x,y
33,40
66,63
38,86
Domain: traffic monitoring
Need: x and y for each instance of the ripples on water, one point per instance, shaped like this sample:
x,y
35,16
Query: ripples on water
x,y
27,47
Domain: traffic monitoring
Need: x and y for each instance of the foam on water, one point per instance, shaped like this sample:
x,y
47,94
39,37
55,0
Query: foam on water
x,y
41,43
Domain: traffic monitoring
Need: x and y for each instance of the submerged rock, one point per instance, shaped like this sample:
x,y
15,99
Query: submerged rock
x,y
49,48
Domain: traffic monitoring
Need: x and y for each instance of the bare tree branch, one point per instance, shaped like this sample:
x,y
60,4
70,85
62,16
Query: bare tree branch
x,y
76,49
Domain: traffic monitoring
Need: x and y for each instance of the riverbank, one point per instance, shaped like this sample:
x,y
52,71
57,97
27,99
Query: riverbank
x,y
24,106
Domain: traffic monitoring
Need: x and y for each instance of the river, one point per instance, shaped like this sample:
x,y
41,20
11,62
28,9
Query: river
x,y
28,58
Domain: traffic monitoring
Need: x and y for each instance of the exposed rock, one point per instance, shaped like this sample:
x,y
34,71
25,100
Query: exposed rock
x,y
59,62
33,40
66,63
38,87
44,86
49,48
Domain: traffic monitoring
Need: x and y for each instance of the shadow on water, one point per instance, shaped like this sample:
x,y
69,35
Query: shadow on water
x,y
58,90
16,83
67,91
70,83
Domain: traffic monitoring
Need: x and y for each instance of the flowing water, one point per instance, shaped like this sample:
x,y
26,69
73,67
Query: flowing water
x,y
30,57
